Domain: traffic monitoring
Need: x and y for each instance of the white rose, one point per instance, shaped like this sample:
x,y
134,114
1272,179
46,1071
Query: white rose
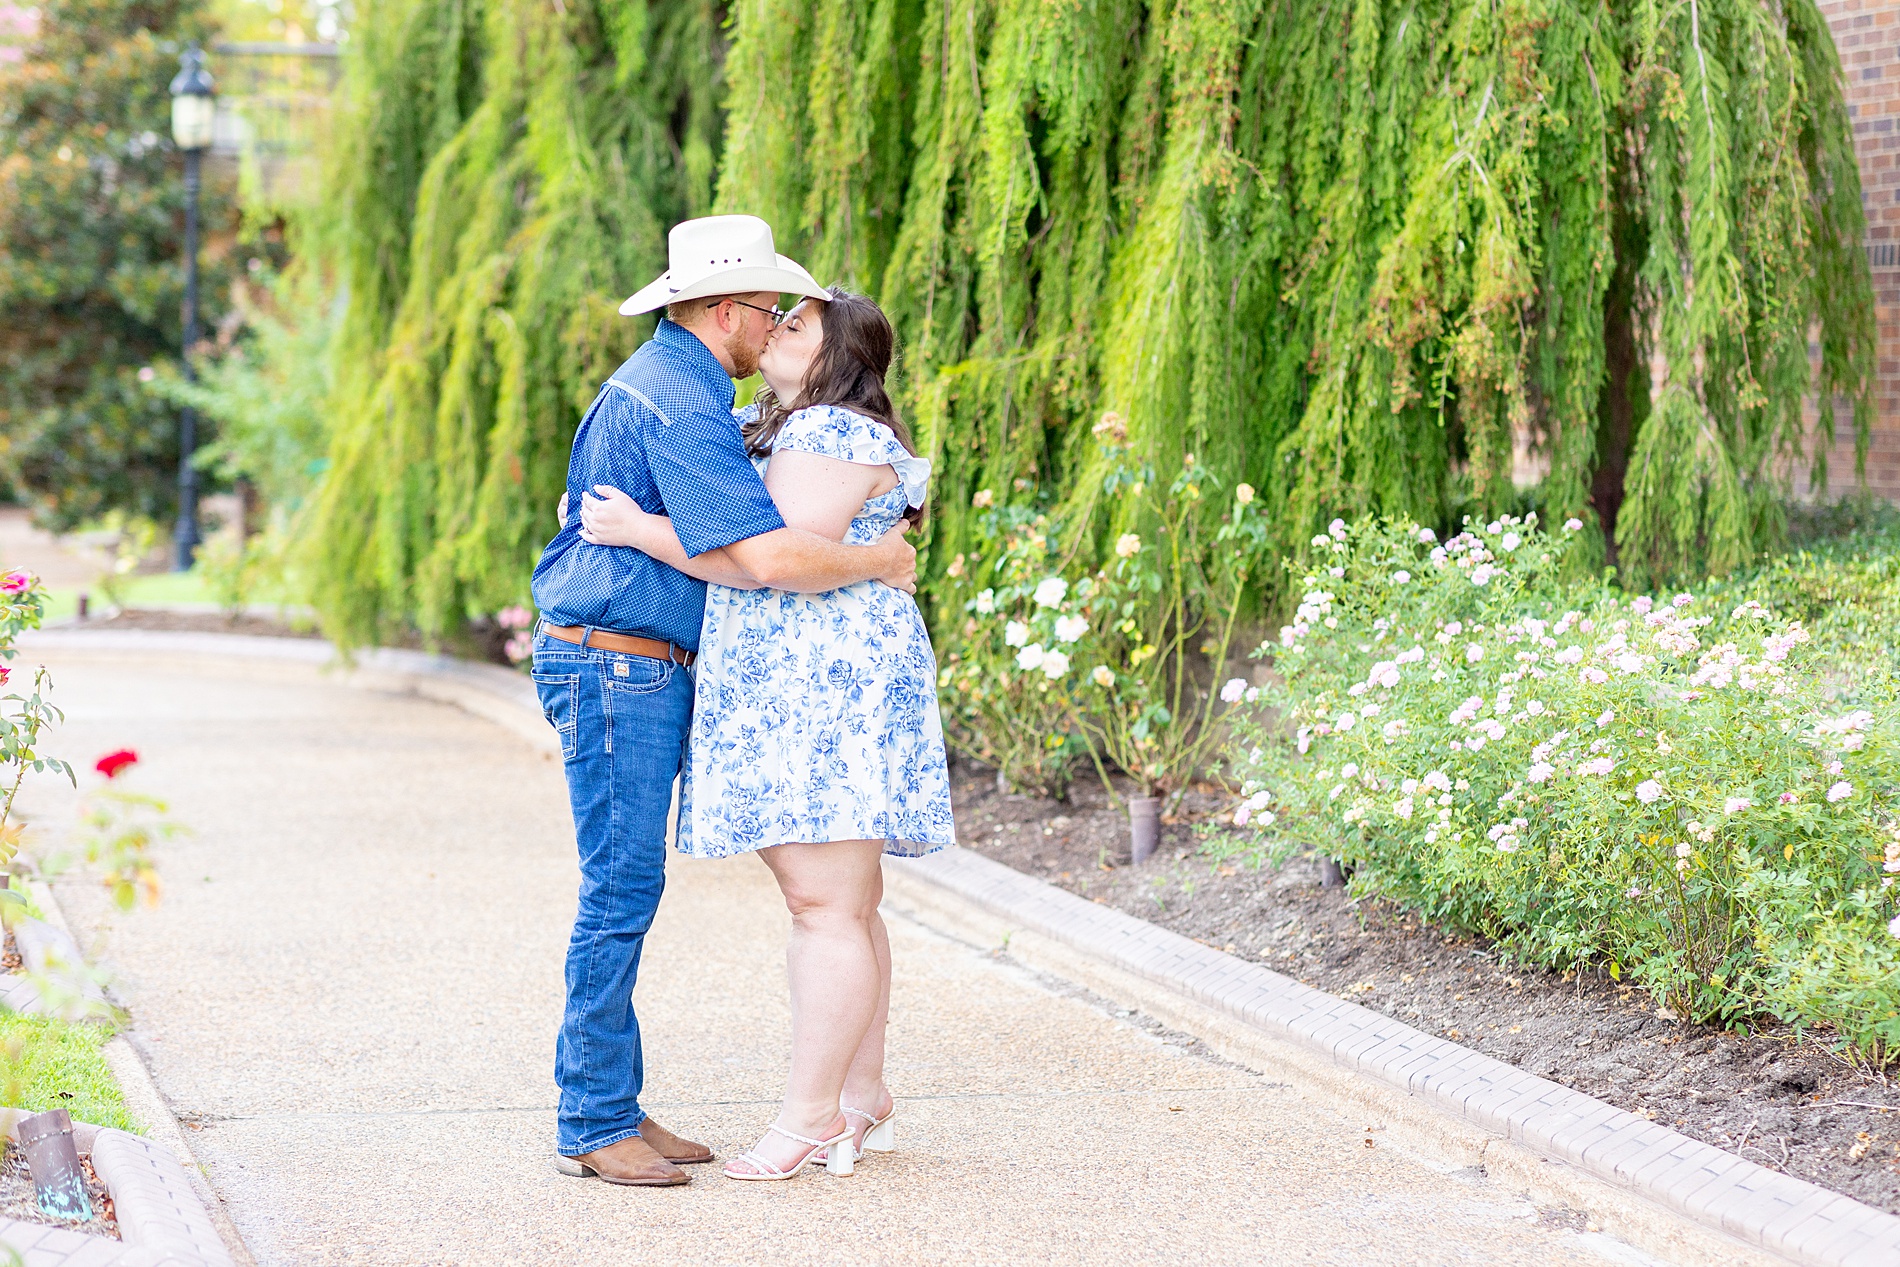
x,y
1103,675
1243,493
1070,628
1030,657
1127,546
1054,663
986,602
1016,633
1051,592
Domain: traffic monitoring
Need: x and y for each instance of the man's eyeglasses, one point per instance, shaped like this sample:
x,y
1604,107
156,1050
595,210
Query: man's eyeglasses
x,y
777,316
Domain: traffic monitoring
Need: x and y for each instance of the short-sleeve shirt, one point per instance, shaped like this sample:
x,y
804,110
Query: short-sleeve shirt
x,y
662,431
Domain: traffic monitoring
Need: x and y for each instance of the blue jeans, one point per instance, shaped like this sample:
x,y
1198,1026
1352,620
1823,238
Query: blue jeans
x,y
623,723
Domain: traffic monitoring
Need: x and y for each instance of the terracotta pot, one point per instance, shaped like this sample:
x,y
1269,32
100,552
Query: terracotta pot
x,y
1144,826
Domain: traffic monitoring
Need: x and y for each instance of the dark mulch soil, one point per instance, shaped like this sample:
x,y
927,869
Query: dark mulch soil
x,y
17,1201
1772,1097
198,622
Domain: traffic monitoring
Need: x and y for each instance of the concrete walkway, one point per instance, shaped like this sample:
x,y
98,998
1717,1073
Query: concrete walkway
x,y
350,991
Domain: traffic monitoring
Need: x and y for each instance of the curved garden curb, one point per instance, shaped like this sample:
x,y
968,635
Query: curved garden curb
x,y
47,951
164,1215
1725,1194
1785,1215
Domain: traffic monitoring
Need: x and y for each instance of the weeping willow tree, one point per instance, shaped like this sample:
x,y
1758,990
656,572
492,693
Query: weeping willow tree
x,y
1431,257
1373,256
506,168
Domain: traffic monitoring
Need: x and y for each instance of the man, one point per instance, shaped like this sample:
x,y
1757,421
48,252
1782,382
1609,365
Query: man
x,y
620,632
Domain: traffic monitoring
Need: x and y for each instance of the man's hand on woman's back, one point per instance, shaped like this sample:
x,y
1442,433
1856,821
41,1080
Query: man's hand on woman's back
x,y
903,571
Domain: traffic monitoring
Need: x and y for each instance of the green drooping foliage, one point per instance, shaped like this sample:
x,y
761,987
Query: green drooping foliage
x,y
505,168
91,256
1363,254
1414,257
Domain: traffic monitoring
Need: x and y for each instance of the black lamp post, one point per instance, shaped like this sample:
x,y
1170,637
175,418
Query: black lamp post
x,y
193,110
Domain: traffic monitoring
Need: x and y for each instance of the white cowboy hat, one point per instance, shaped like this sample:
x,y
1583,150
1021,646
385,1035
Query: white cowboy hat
x,y
721,255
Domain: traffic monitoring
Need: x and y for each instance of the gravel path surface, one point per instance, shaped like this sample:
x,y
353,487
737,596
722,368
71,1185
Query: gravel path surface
x,y
350,990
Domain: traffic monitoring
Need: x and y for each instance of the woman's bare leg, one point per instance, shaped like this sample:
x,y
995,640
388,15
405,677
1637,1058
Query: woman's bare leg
x,y
833,963
864,1084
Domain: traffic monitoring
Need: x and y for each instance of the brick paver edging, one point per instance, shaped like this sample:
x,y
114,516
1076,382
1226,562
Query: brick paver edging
x,y
1783,1214
1716,1189
161,1220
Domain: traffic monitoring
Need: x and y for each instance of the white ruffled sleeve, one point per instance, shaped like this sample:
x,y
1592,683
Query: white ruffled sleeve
x,y
836,432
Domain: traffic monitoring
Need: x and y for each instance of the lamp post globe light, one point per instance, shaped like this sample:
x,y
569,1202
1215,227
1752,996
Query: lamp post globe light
x,y
194,107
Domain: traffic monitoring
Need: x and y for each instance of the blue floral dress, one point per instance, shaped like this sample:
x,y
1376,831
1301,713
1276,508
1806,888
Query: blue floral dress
x,y
815,715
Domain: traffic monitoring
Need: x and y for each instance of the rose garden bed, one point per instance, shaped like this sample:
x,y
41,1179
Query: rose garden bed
x,y
1779,1099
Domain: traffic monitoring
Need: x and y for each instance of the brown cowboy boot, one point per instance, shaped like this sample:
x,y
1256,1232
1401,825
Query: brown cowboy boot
x,y
631,1161
681,1152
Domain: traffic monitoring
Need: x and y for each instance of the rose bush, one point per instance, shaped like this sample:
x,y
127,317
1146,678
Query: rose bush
x,y
1121,662
1007,691
1680,787
25,715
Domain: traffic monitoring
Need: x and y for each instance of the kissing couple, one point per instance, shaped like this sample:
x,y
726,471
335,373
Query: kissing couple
x,y
732,604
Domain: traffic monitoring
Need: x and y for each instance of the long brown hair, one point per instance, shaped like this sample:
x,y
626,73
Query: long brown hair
x,y
853,357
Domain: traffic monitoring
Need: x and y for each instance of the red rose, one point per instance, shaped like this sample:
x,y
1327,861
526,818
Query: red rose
x,y
5,673
113,762
17,582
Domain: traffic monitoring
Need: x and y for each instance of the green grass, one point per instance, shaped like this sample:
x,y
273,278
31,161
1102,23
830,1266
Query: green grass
x,y
152,589
50,1064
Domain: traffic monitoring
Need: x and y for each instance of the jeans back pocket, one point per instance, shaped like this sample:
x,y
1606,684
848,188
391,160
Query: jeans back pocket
x,y
561,706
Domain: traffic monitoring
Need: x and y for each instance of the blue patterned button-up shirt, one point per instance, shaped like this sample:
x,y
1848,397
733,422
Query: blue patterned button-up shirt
x,y
662,432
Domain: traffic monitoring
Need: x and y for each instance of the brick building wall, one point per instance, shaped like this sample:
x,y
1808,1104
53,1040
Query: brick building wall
x,y
1867,32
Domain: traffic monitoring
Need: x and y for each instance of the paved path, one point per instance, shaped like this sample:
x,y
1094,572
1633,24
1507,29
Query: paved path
x,y
351,987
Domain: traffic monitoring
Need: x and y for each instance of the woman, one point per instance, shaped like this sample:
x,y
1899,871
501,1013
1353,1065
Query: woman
x,y
816,741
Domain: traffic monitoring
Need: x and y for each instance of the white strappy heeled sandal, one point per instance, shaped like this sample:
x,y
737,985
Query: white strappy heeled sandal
x,y
880,1135
838,1158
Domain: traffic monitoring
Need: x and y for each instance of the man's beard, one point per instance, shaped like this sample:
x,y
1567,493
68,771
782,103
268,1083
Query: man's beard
x,y
744,357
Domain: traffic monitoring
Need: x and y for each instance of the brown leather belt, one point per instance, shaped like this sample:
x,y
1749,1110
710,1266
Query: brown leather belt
x,y
607,640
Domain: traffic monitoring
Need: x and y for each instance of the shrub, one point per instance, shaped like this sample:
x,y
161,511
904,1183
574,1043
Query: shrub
x,y
1121,662
1679,788
1004,704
